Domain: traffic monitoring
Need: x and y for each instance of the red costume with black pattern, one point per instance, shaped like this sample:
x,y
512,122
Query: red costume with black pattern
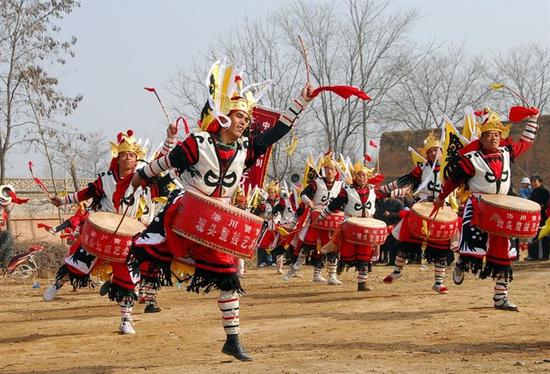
x,y
484,166
211,163
107,193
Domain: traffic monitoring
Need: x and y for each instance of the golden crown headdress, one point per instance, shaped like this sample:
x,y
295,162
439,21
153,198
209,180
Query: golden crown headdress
x,y
273,186
226,94
126,142
491,122
328,160
431,141
359,167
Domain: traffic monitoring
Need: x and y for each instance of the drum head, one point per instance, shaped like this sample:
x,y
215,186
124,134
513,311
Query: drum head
x,y
109,221
445,214
366,222
511,202
222,204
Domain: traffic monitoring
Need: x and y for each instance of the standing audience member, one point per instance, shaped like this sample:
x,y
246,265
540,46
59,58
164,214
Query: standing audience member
x,y
525,189
539,249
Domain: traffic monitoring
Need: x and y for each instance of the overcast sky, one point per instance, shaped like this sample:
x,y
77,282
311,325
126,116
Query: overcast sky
x,y
126,45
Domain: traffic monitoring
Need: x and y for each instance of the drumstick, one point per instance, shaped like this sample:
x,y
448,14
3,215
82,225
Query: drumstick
x,y
124,214
305,58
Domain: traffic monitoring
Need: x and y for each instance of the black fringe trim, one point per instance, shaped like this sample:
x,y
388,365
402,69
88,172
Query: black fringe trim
x,y
118,293
470,264
137,257
496,270
206,280
76,280
433,254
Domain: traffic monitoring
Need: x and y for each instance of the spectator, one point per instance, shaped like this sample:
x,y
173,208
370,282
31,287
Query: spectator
x,y
539,249
525,189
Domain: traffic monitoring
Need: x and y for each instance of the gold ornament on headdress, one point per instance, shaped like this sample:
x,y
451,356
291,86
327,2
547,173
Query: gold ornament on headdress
x,y
431,141
273,186
491,122
359,167
328,160
126,142
226,94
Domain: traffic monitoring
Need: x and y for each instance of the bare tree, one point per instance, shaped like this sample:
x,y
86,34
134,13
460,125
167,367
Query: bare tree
x,y
444,83
525,69
260,48
27,39
358,44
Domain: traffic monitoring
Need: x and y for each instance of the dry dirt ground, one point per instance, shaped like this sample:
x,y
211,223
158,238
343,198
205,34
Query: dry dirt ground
x,y
295,327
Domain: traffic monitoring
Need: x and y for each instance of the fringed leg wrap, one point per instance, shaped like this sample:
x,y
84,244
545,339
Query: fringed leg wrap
x,y
206,280
501,291
439,272
280,262
300,260
362,276
148,292
228,302
77,280
126,307
400,261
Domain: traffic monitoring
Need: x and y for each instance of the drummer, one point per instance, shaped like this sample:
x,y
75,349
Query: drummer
x,y
425,179
318,194
270,208
106,194
485,167
356,200
213,162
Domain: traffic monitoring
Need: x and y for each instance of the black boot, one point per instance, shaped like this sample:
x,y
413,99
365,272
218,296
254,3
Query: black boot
x,y
151,308
363,287
105,287
234,348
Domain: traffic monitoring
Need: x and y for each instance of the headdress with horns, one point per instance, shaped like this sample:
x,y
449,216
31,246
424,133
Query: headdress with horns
x,y
226,94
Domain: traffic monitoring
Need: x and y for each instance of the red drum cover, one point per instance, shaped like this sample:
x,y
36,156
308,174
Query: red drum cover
x,y
98,236
443,227
508,216
365,231
332,222
217,225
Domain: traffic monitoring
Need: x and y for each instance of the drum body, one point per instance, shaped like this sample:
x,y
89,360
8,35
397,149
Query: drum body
x,y
217,225
331,222
508,216
442,227
365,231
98,235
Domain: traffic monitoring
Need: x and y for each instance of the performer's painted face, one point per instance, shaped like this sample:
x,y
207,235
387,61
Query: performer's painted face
x,y
432,154
127,161
272,194
330,173
490,140
239,122
361,179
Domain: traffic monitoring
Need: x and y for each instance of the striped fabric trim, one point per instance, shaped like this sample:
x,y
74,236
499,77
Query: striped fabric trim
x,y
157,166
530,131
71,198
293,112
